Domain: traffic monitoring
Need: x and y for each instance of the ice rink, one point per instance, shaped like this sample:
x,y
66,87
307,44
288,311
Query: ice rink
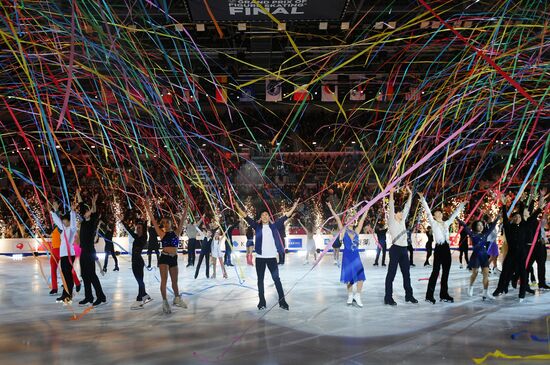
x,y
223,326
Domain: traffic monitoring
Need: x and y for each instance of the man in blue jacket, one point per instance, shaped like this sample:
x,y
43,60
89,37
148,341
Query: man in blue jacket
x,y
268,246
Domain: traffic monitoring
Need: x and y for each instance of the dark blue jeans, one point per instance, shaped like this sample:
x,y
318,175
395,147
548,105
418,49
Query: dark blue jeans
x,y
398,256
137,269
381,247
227,255
274,270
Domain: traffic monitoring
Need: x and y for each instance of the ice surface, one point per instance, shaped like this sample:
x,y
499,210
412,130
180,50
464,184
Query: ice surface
x,y
223,326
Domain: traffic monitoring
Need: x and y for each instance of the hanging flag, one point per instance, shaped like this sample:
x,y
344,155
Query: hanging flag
x,y
301,93
329,88
221,90
413,94
167,97
247,94
273,90
190,90
358,86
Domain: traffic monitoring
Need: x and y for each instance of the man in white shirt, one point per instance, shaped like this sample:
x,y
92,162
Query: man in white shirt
x,y
192,230
268,245
398,250
442,251
67,228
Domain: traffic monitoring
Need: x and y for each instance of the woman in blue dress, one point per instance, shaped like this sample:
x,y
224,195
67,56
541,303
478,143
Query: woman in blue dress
x,y
352,267
480,257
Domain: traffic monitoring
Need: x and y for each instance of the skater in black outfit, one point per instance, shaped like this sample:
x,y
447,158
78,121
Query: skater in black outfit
x,y
106,230
139,233
192,230
206,245
229,243
88,228
517,231
429,245
152,245
381,230
539,251
410,247
463,248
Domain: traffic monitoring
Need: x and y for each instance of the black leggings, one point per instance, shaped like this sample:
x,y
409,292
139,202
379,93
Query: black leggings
x,y
137,269
271,264
463,249
110,252
191,247
67,270
202,257
428,253
442,260
89,277
381,247
227,254
539,256
149,252
411,252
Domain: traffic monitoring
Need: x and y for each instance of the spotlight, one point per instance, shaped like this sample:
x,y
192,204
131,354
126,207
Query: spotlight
x,y
241,27
201,27
281,26
323,26
344,26
178,27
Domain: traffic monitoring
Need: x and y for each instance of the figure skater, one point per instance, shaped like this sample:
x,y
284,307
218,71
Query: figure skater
x,y
352,271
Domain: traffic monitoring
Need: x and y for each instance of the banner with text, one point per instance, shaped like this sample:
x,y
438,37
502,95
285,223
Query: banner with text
x,y
283,10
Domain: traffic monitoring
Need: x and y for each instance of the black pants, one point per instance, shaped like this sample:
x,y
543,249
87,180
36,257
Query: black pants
x,y
428,253
507,273
67,271
89,277
381,247
411,252
281,258
137,269
227,254
398,256
203,256
442,260
274,270
539,256
149,252
110,251
463,250
191,247
521,272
